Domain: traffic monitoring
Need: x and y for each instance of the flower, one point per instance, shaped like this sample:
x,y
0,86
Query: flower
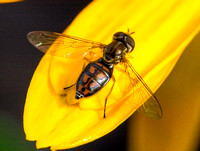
x,y
9,1
161,34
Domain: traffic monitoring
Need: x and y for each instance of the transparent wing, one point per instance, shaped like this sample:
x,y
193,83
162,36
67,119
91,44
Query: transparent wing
x,y
151,107
62,45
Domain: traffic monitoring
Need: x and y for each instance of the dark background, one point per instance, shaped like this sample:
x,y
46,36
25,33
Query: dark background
x,y
19,59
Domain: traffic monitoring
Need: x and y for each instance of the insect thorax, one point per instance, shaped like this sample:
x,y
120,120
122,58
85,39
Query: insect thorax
x,y
114,52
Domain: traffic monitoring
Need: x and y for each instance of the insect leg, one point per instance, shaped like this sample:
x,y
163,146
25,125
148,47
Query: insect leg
x,y
69,86
104,115
75,83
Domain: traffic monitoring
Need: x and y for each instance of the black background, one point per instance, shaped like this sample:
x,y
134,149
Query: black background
x,y
19,59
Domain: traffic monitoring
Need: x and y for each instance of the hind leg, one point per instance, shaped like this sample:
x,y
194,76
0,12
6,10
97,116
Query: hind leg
x,y
113,78
87,58
84,65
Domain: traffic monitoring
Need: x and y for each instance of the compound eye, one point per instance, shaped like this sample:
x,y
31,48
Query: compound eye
x,y
130,44
118,36
126,39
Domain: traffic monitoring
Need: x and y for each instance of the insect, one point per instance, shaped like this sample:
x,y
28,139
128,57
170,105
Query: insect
x,y
98,73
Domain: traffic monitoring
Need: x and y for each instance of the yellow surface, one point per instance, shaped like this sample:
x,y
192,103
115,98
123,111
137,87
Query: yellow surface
x,y
179,95
9,1
162,30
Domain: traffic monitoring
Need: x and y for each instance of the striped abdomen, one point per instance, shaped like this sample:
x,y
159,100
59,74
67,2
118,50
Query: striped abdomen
x,y
95,75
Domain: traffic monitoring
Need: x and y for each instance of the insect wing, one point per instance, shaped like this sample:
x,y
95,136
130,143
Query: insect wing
x,y
62,45
151,107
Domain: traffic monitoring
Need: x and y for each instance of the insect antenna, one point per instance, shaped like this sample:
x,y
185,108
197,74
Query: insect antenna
x,y
130,33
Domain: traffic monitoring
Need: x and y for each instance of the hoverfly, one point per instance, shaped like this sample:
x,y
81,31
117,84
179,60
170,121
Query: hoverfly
x,y
97,73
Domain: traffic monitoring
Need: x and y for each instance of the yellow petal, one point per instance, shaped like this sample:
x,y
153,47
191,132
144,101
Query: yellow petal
x,y
162,31
179,94
9,1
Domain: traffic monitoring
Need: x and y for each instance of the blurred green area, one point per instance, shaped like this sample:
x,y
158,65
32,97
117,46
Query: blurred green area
x,y
12,137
